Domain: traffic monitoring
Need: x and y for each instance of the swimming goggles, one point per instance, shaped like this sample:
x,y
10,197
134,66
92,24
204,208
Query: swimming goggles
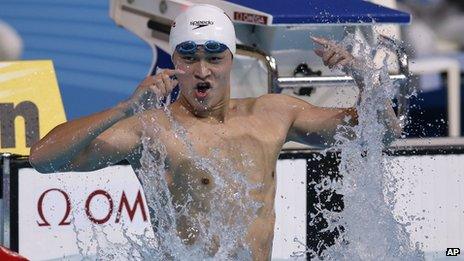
x,y
210,46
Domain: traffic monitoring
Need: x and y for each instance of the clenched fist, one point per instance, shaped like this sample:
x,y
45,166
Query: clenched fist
x,y
333,55
154,88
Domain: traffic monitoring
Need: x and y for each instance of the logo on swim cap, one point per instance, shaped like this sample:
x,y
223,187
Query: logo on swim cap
x,y
200,24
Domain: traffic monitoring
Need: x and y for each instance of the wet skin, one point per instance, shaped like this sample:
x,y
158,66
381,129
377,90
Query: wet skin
x,y
247,133
245,136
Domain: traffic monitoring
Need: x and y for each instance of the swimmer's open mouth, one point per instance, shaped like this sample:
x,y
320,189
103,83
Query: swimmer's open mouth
x,y
202,88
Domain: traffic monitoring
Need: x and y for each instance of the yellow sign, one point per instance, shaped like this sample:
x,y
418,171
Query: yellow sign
x,y
30,104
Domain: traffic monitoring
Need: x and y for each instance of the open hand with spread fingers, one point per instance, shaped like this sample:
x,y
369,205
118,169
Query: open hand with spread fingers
x,y
333,55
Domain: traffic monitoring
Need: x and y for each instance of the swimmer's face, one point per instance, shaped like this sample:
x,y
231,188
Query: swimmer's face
x,y
206,82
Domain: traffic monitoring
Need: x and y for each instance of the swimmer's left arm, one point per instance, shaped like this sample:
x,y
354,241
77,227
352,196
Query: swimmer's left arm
x,y
334,55
303,122
313,125
316,126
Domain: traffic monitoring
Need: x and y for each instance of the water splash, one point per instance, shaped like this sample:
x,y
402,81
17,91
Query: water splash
x,y
223,222
216,231
370,231
366,228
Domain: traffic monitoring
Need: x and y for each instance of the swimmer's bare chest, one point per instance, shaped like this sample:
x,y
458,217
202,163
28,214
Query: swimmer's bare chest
x,y
201,156
205,153
200,153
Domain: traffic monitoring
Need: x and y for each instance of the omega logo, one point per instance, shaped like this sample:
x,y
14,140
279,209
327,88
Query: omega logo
x,y
66,219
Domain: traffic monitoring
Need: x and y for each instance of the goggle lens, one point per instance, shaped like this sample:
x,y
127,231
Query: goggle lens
x,y
190,47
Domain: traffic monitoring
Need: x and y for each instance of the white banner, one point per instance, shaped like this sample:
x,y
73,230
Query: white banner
x,y
63,215
290,207
430,197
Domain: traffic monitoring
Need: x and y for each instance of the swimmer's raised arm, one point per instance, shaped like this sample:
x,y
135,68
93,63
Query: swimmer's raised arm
x,y
334,55
101,139
309,124
303,122
315,125
87,143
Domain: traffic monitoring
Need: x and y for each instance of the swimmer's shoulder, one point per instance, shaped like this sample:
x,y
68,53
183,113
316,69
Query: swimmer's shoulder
x,y
278,102
153,118
260,101
266,102
280,108
264,105
242,104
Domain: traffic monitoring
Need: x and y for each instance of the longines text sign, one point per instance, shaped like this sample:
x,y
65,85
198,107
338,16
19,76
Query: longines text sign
x,y
30,104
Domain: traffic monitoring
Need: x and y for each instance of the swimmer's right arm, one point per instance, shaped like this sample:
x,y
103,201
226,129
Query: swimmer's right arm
x,y
101,139
70,146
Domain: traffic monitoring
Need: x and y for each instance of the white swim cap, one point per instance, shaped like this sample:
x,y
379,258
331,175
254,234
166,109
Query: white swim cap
x,y
200,23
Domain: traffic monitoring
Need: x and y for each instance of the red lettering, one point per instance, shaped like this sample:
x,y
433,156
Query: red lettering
x,y
124,204
250,18
89,213
131,211
40,208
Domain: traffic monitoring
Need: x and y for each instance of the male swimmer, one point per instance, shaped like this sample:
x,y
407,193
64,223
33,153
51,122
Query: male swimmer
x,y
203,43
